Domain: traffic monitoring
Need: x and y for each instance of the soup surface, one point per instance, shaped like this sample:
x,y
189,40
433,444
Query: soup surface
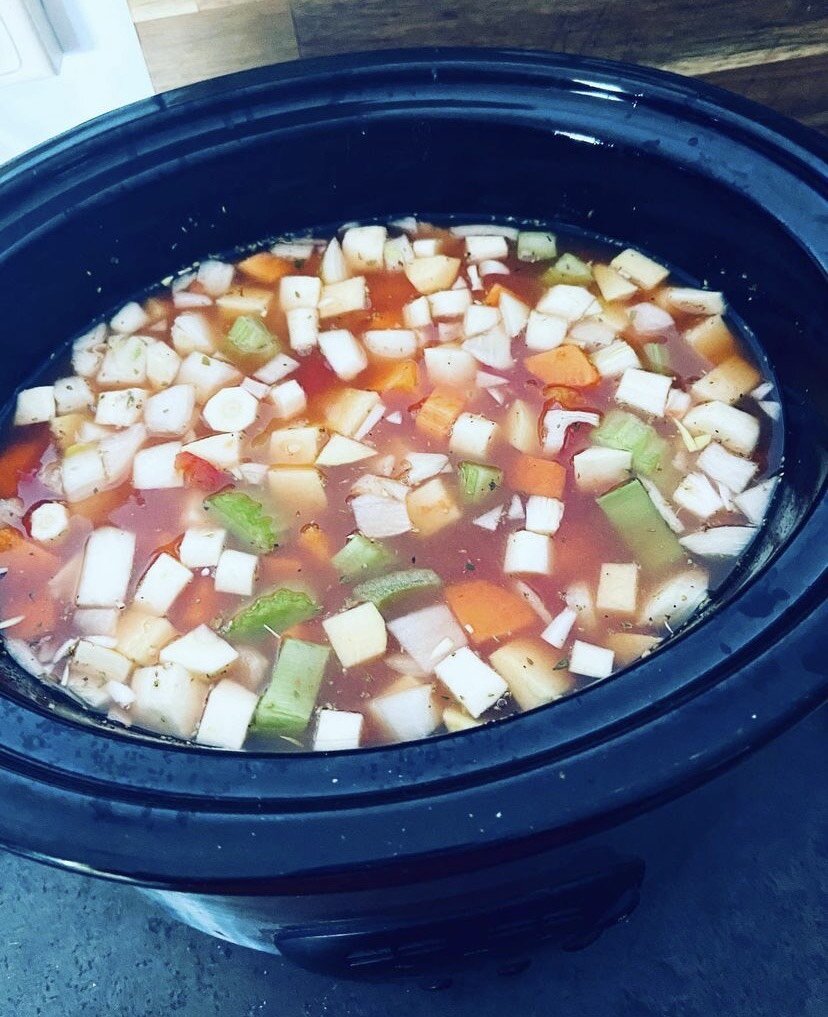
x,y
363,490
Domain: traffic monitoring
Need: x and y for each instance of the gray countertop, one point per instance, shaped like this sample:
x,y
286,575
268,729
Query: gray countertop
x,y
739,932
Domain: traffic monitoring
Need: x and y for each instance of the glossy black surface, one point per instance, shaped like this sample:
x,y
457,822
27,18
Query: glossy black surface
x,y
734,195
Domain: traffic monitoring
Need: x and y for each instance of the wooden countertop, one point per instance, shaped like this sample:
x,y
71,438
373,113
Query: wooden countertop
x,y
773,51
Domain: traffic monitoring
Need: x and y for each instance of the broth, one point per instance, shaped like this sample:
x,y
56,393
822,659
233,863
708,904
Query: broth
x,y
341,494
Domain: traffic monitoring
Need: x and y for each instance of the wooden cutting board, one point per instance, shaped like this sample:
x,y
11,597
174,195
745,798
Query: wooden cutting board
x,y
773,51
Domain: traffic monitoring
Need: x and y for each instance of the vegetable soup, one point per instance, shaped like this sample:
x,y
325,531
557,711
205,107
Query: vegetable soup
x,y
362,490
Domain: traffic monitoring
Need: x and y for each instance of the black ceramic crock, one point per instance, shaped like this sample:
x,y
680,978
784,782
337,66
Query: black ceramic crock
x,y
539,827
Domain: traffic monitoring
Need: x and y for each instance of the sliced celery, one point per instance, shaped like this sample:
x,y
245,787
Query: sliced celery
x,y
536,246
362,557
272,612
638,522
658,357
625,431
568,269
384,590
245,518
250,336
287,705
477,480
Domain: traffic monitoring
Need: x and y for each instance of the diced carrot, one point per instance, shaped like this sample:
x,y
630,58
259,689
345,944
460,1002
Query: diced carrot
x,y
10,539
266,267
386,319
275,567
303,630
560,395
399,375
531,475
98,507
313,539
198,604
494,294
487,611
20,458
389,291
437,414
565,365
201,474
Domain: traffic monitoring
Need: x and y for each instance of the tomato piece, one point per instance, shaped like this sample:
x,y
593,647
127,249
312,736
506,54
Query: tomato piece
x,y
199,473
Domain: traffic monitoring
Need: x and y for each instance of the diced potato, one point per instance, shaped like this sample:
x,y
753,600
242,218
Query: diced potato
x,y
521,428
161,585
347,411
735,429
207,375
289,399
337,729
121,407
35,405
227,715
455,718
245,300
724,467
417,313
531,671
473,435
82,473
643,271
124,363
215,277
64,429
363,247
191,332
696,494
295,446
528,554
236,572
727,382
299,489
88,352
430,274
130,318
221,450
492,349
614,360
141,636
629,646
170,412
428,635
711,339
590,661
169,699
333,268
451,303
303,329
545,331
72,395
379,516
391,343
471,681
450,366
514,312
408,714
599,469
250,669
617,588
154,468
299,291
644,390
163,364
612,284
431,507
201,546
343,352
426,247
397,253
692,301
342,297
276,369
358,635
107,568
97,621
482,248
91,667
568,302
201,651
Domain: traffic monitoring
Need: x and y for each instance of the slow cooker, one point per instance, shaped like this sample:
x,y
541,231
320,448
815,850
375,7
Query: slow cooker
x,y
542,827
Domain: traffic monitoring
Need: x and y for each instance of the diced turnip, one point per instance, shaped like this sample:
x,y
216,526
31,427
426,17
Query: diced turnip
x,y
141,636
649,319
251,669
363,247
492,348
300,489
340,451
711,339
514,312
485,229
227,715
451,303
692,301
450,366
644,390
391,343
106,569
207,375
357,635
543,515
735,429
236,572
428,635
288,399
82,473
417,313
727,382
347,411
481,248
617,588
471,681
35,405
406,715
170,412
568,302
169,699
532,672
378,516
120,408
185,300
200,651
201,546
161,585
233,408
491,267
48,521
276,369
342,297
590,661
154,468
724,467
533,600
72,395
612,284
124,363
162,364
215,277
381,485
479,318
672,602
98,621
88,352
303,329
333,267
192,332
719,541
754,502
397,253
338,729
129,319
295,446
557,422
343,353
257,389
661,505
473,435
599,469
678,403
428,275
490,520
91,667
520,427
643,271
528,554
629,646
557,631
696,494
591,334
426,247
299,291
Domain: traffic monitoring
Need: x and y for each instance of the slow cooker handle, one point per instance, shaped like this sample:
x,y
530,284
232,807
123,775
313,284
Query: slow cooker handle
x,y
569,916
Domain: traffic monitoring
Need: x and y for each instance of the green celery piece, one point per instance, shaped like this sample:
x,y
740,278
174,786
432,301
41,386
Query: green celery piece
x,y
477,480
536,246
250,336
245,518
658,357
626,431
272,612
362,557
568,269
287,705
384,590
637,521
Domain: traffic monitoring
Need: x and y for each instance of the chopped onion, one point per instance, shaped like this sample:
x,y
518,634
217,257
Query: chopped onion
x,y
490,520
557,422
557,631
719,541
533,600
754,502
662,506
